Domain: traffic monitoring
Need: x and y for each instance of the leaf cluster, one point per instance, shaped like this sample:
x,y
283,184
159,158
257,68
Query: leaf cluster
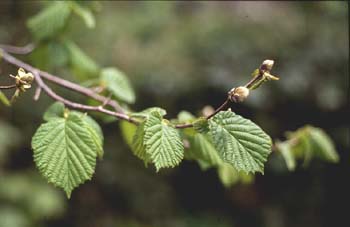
x,y
235,146
305,144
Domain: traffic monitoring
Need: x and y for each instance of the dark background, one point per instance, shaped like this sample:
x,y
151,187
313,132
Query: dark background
x,y
183,56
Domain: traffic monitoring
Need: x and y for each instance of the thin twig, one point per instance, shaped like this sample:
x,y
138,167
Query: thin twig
x,y
3,87
18,50
37,93
220,108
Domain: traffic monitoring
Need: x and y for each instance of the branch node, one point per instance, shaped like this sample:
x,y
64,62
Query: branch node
x,y
37,93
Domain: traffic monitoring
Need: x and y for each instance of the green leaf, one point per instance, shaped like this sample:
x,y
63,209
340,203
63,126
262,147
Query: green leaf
x,y
239,141
322,145
118,84
33,194
50,21
201,125
85,14
230,176
185,117
308,143
204,152
56,110
138,144
94,128
10,138
65,151
134,135
82,65
4,99
146,112
128,131
308,151
287,153
58,54
163,142
50,55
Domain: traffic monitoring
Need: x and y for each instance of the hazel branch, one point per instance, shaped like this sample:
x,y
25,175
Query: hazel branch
x,y
238,94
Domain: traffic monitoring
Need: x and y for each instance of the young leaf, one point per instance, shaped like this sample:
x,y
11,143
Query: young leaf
x,y
308,151
65,152
56,110
85,14
4,99
138,146
201,125
95,130
50,20
202,149
146,112
163,142
185,117
239,141
82,65
128,131
118,84
287,153
323,145
308,143
230,176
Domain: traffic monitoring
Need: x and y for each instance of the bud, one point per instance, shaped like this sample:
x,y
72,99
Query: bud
x,y
267,65
23,80
26,77
239,94
207,111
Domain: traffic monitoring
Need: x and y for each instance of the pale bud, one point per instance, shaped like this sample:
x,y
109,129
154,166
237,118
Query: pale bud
x,y
239,94
267,65
207,111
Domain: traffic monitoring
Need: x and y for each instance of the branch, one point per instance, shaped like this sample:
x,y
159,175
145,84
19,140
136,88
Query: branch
x,y
62,82
76,105
220,108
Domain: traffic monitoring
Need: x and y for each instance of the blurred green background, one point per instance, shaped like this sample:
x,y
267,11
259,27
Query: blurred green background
x,y
183,56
